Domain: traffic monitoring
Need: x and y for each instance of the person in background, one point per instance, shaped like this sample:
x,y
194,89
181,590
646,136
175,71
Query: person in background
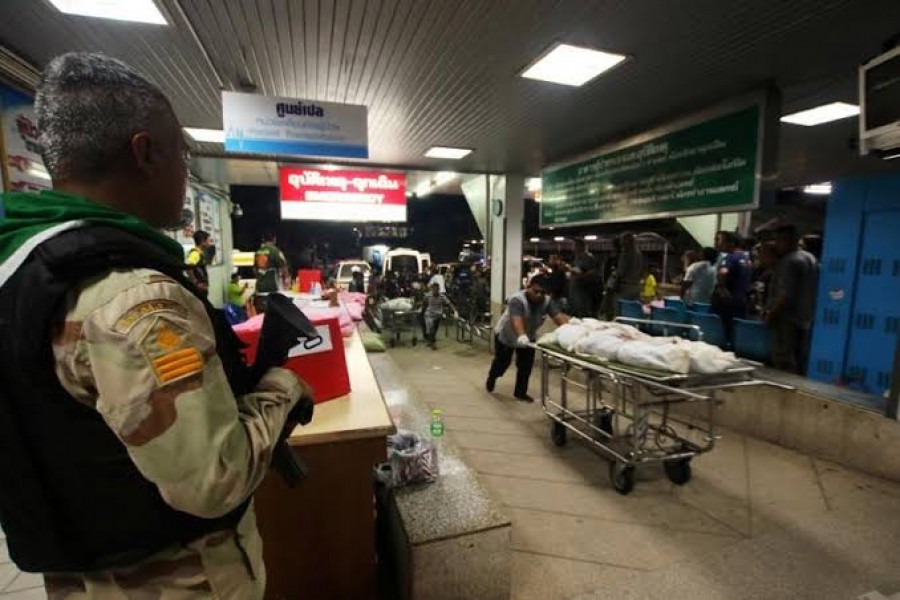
x,y
437,278
198,258
763,270
608,302
235,309
700,276
790,306
136,476
556,281
434,306
812,243
374,282
357,282
236,290
516,329
271,271
649,286
584,282
390,287
733,279
629,268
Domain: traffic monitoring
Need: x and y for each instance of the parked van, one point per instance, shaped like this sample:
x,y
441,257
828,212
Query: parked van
x,y
343,273
406,259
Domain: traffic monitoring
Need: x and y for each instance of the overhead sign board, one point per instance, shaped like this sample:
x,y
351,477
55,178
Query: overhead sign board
x,y
274,125
326,195
708,167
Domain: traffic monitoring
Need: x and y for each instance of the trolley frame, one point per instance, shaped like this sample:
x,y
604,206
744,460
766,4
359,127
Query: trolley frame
x,y
627,414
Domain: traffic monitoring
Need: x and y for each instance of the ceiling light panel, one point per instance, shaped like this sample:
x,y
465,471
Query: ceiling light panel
x,y
448,152
138,11
822,114
572,65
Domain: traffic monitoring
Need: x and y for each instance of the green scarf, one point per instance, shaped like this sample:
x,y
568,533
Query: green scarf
x,y
28,214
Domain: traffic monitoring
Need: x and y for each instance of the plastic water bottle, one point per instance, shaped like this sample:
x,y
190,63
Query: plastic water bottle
x,y
437,423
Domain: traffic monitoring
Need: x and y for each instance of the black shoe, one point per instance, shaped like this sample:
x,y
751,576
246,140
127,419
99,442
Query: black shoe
x,y
491,384
524,397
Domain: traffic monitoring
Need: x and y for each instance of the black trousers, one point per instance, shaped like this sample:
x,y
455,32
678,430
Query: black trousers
x,y
503,355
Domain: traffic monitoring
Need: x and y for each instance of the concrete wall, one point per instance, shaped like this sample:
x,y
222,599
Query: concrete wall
x,y
801,420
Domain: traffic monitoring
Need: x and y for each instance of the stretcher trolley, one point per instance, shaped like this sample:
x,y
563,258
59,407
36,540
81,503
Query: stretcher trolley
x,y
396,322
627,411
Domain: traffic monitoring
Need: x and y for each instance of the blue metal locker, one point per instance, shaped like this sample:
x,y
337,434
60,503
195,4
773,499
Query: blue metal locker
x,y
875,320
837,281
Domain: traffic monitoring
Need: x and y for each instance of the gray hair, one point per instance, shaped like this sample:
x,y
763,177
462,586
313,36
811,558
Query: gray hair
x,y
88,106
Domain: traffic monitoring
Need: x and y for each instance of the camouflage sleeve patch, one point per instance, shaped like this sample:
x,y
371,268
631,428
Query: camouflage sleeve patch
x,y
169,351
145,309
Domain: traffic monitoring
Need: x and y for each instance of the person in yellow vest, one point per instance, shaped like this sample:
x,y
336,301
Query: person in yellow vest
x,y
648,291
198,258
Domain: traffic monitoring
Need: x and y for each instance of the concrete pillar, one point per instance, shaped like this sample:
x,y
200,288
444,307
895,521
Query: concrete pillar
x,y
506,229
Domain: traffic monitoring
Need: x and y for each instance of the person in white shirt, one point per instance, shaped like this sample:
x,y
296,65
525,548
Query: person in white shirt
x,y
437,278
700,276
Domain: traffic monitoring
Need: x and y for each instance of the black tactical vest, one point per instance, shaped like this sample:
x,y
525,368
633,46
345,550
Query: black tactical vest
x,y
71,500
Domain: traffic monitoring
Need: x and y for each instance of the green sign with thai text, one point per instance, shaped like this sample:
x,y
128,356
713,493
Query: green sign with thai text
x,y
710,167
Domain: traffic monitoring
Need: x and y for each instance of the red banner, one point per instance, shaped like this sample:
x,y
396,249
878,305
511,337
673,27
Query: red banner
x,y
320,194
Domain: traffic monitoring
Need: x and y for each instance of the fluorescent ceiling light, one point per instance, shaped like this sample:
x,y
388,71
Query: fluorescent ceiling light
x,y
533,184
572,65
590,238
558,239
822,114
818,189
447,152
535,240
213,136
139,11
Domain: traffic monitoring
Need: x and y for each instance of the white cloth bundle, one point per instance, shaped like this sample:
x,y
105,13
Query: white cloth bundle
x,y
706,358
600,344
568,335
398,304
595,324
548,339
664,354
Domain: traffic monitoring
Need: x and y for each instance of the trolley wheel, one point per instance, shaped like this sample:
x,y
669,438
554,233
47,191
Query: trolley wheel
x,y
558,433
622,477
678,471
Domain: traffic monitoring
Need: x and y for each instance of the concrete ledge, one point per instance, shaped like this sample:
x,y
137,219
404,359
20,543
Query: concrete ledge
x,y
810,422
448,539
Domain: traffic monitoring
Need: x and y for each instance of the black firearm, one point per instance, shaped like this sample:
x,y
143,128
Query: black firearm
x,y
285,326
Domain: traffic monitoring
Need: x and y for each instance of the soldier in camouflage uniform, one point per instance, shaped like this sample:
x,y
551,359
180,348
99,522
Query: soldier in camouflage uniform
x,y
138,347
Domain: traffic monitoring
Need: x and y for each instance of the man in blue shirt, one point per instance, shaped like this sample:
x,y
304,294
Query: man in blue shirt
x,y
734,277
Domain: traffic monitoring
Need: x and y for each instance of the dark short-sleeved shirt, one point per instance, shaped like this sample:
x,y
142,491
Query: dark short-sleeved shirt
x,y
796,279
586,263
740,274
556,283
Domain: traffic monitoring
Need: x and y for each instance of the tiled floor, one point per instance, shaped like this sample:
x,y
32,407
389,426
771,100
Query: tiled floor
x,y
15,585
756,522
